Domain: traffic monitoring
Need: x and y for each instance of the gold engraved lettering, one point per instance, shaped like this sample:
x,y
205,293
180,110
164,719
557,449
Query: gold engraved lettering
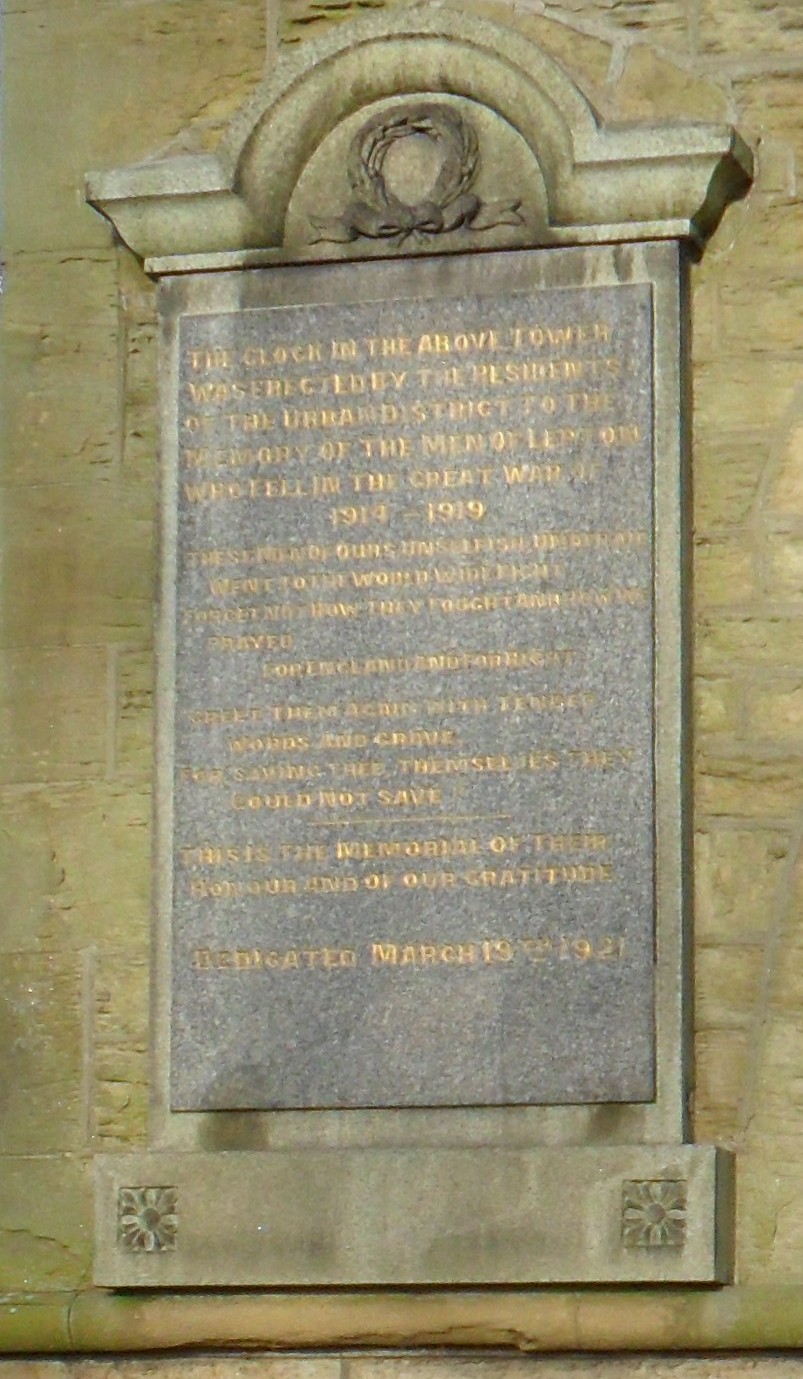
x,y
570,842
316,799
203,889
303,852
435,662
589,402
281,771
386,849
620,435
279,742
429,880
385,447
347,741
540,761
449,478
235,490
334,610
565,946
357,770
260,356
206,360
342,799
360,515
601,759
216,855
303,713
411,798
552,842
344,349
380,709
554,701
247,422
571,875
300,800
449,766
257,641
389,347
533,473
394,608
374,483
263,612
452,446
421,443
332,885
449,705
415,737
272,960
460,510
233,458
388,579
201,775
424,954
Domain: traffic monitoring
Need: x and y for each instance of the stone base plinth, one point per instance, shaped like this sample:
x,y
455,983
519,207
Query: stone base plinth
x,y
415,1217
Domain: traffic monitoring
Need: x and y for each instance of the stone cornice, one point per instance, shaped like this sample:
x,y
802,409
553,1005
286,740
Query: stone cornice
x,y
599,183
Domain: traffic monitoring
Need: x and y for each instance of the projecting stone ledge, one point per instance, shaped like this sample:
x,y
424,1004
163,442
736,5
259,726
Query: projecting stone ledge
x,y
414,1217
290,161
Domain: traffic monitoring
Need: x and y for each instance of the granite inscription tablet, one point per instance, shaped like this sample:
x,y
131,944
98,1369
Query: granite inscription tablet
x,y
413,809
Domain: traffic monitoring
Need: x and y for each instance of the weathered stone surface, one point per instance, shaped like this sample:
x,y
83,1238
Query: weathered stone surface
x,y
572,1214
574,1367
45,1223
58,54
259,1366
728,468
775,711
725,572
587,57
727,982
133,736
737,874
211,54
775,321
73,586
757,27
648,82
666,21
41,1073
758,386
720,1057
59,733
750,639
246,198
763,785
783,566
77,860
784,497
717,705
303,19
52,292
118,1059
64,428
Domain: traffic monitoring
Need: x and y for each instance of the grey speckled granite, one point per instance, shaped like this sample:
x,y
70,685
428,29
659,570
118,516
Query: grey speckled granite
x,y
414,703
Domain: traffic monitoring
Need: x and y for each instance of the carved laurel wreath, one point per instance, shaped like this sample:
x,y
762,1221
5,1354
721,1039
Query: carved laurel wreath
x,y
376,213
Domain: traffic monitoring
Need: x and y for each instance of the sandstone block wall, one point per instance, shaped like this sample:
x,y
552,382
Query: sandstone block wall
x,y
95,83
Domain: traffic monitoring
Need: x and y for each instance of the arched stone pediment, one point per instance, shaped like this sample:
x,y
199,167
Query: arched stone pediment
x,y
317,137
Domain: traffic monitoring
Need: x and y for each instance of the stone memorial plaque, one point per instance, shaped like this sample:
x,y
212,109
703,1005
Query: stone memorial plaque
x,y
422,836
413,809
